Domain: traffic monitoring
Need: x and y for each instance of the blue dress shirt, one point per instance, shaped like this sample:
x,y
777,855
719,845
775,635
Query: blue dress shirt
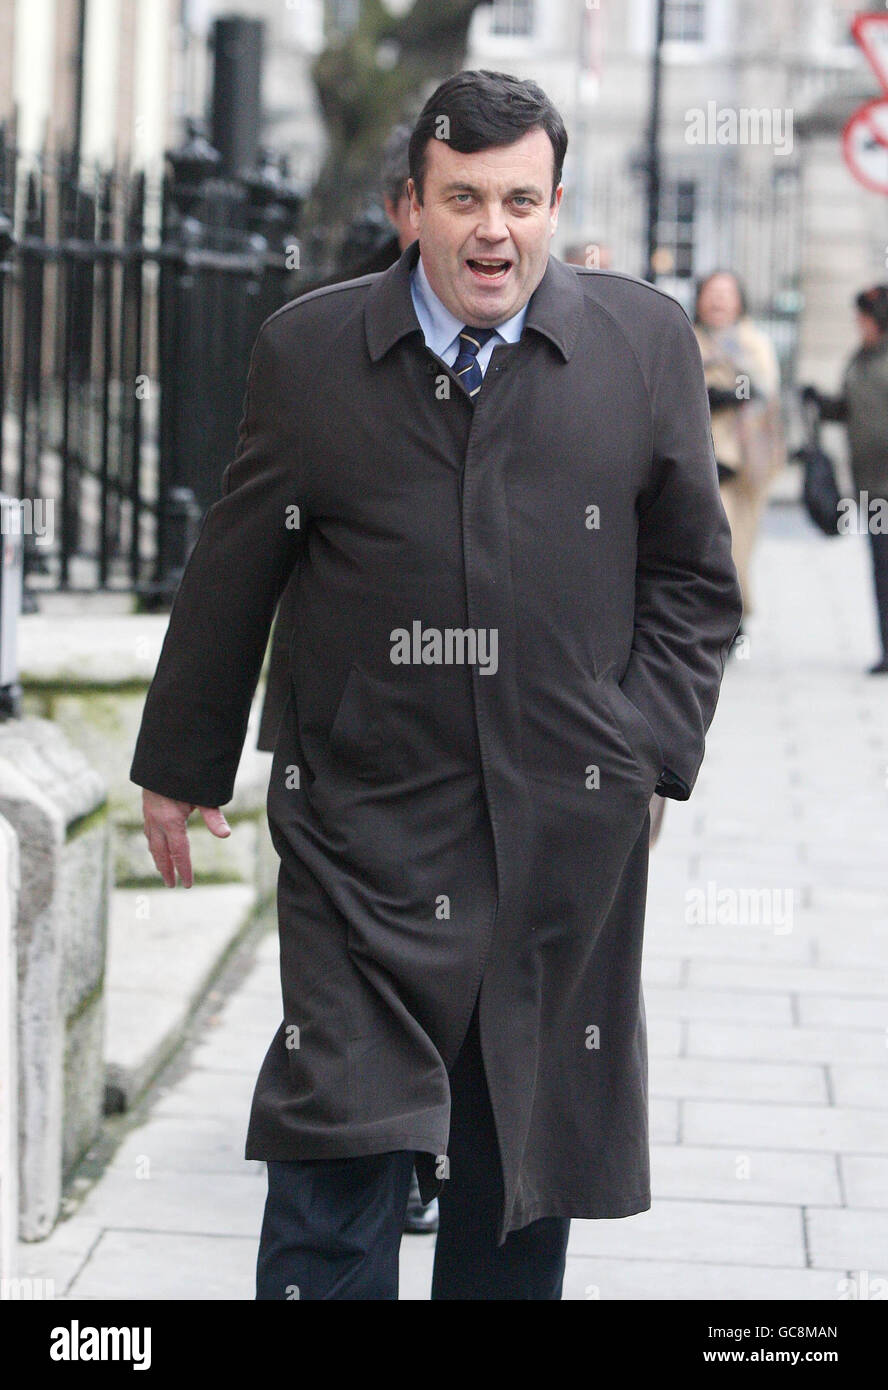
x,y
441,329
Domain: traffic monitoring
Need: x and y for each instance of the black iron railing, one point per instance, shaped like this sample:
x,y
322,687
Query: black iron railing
x,y
127,315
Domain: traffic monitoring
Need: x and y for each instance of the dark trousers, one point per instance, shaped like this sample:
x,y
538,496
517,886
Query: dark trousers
x,y
879,550
332,1227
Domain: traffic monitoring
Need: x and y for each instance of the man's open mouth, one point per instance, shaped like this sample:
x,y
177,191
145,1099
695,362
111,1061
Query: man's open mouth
x,y
488,268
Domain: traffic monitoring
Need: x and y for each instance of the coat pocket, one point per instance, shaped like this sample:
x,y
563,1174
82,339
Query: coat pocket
x,y
356,738
641,742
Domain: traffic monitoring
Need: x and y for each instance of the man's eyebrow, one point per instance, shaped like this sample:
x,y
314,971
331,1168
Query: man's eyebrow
x,y
524,190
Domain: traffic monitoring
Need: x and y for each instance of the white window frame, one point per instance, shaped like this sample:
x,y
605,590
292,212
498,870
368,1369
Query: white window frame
x,y
706,20
719,22
510,35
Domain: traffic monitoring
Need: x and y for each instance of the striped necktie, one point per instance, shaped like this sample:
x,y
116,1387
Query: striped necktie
x,y
471,340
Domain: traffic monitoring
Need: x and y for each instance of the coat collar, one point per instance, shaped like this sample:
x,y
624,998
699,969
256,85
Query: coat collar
x,y
555,307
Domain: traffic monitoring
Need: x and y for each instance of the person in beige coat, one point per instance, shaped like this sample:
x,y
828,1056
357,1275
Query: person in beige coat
x,y
743,383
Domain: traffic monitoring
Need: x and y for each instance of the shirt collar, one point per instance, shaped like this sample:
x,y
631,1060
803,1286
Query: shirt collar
x,y
555,308
439,325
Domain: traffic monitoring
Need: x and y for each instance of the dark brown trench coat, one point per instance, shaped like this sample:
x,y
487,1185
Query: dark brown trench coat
x,y
455,828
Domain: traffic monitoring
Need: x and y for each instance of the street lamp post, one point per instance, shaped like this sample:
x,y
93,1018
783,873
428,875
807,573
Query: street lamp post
x,y
652,161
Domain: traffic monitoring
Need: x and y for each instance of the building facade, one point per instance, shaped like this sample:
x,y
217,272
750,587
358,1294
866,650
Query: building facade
x,y
91,75
753,100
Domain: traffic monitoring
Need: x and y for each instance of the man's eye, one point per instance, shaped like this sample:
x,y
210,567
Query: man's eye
x,y
521,198
466,196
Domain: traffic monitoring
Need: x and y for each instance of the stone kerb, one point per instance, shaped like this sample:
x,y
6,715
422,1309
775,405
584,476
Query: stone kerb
x,y
9,891
56,804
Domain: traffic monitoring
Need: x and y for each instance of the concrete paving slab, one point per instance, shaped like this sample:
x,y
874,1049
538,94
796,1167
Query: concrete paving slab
x,y
58,1259
230,1050
223,1095
866,1086
761,1041
719,1004
748,1175
164,948
865,1180
744,944
837,1012
803,1127
853,1239
791,979
609,1279
663,1119
704,1078
415,1265
713,1232
194,1203
145,1265
168,1145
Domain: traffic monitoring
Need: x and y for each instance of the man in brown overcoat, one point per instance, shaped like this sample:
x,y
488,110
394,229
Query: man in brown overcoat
x,y
493,474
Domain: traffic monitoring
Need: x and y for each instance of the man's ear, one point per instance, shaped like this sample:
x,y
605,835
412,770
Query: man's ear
x,y
415,205
553,209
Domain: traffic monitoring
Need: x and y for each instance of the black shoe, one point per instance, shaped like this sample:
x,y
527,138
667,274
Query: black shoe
x,y
420,1220
880,668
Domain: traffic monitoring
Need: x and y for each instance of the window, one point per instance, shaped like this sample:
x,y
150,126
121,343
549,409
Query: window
x,y
513,18
685,21
342,16
677,225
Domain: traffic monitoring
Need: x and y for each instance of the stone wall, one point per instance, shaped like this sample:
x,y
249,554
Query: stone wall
x,y
56,804
88,670
9,890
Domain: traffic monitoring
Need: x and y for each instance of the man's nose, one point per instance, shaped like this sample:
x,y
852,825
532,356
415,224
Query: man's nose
x,y
492,224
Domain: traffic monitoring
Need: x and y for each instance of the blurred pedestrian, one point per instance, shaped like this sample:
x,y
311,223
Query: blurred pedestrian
x,y
393,175
394,172
863,408
743,383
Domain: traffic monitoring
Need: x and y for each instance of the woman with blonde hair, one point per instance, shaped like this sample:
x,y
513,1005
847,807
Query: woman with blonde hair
x,y
743,380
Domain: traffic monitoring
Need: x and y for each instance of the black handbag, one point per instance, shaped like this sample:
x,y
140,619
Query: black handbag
x,y
820,493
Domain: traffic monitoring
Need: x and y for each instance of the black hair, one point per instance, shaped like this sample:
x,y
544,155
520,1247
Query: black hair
x,y
394,171
477,110
874,302
704,281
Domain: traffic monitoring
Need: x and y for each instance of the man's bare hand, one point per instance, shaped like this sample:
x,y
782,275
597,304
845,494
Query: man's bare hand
x,y
167,837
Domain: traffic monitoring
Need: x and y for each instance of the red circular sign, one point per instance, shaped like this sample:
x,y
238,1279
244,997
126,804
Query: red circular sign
x,y
865,144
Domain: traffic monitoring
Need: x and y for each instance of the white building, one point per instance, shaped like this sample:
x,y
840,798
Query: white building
x,y
769,85
110,61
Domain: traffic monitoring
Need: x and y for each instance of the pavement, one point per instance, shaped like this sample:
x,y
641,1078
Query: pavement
x,y
767,1004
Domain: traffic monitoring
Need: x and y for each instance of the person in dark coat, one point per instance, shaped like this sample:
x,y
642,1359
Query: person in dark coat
x,y
862,406
493,474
